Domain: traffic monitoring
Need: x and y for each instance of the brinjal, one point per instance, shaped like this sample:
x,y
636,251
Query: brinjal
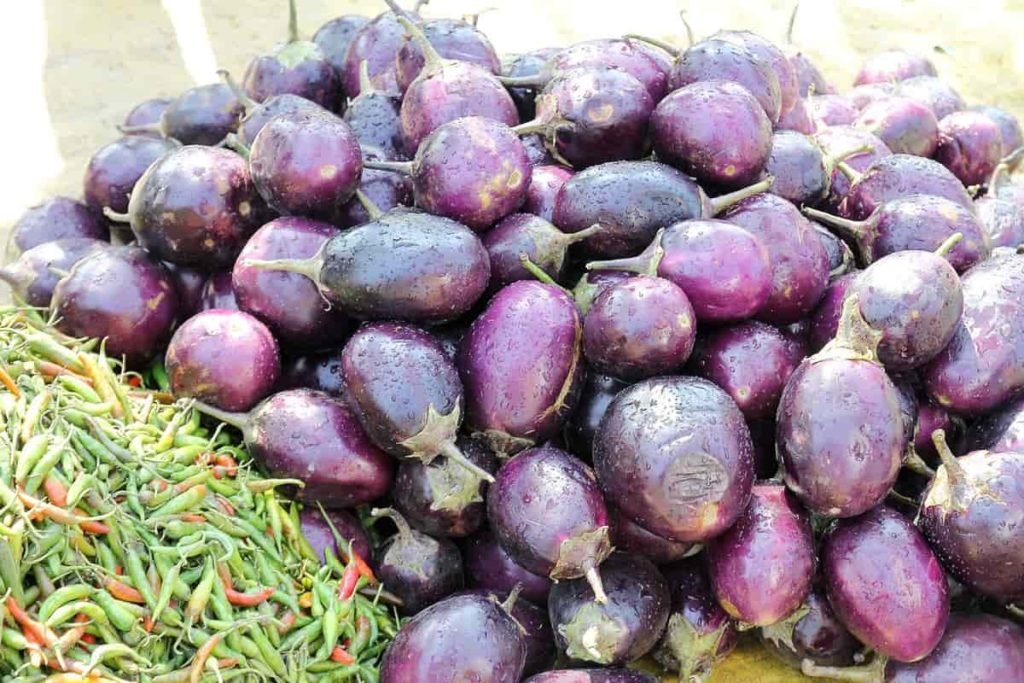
x,y
419,569
1001,431
545,182
115,168
825,319
338,531
374,117
203,115
933,92
1002,221
675,456
55,219
812,633
218,292
895,176
970,145
595,397
893,65
717,59
1009,127
604,675
536,630
489,566
452,39
858,150
334,36
259,114
905,126
377,43
524,234
631,538
34,275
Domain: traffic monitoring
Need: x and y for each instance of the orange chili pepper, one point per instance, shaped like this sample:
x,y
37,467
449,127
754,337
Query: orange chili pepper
x,y
9,382
56,491
339,655
123,591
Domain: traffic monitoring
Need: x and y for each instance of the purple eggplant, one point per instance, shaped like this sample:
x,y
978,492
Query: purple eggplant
x,y
406,393
196,206
374,118
840,256
472,169
337,531
314,438
34,275
147,111
259,114
825,319
452,39
524,234
893,65
377,43
770,54
592,283
714,130
297,67
723,60
934,93
800,266
982,368
203,115
750,361
638,328
971,516
419,569
482,643
545,182
55,219
447,89
115,168
773,531
932,417
724,270
630,537
218,292
913,298
306,165
604,675
590,115
546,510
620,629
490,567
905,126
970,146
798,167
189,284
812,633
595,397
334,37
1001,431
320,371
881,575
536,630
520,366
118,294
379,192
1009,127
896,176
798,119
916,222
833,110
227,359
693,490
527,65
608,194
858,150
288,303
839,433
1002,221
699,631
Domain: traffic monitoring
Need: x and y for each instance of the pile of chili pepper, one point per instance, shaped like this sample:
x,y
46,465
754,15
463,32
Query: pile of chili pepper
x,y
137,544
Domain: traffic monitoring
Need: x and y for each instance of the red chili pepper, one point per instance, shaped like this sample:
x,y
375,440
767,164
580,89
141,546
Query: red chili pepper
x,y
339,655
123,591
32,629
238,598
148,623
226,507
56,491
362,567
349,580
92,527
229,464
287,620
193,517
134,381
88,639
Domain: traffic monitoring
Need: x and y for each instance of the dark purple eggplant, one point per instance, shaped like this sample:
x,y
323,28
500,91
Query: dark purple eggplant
x,y
640,327
227,359
604,675
546,510
337,531
833,110
288,303
970,146
320,371
315,439
1009,127
693,490
880,576
773,531
896,176
189,284
620,629
699,631
203,115
419,569
527,64
751,361
825,319
812,633
489,566
857,148
536,629
406,393
919,222
147,111
1001,431
595,397
118,294
218,292
609,194
798,167
374,117
630,537
196,206
982,367
714,130
453,39
56,218
297,67
439,273
34,275
545,182
800,267
482,643
306,165
798,119
259,114
839,433
524,234
377,43
379,192
768,53
520,366
115,168
334,36
972,516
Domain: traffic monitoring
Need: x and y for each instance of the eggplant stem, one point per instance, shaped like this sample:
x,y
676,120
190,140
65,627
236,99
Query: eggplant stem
x,y
536,271
431,56
115,216
142,128
664,45
854,333
452,452
368,204
395,516
240,94
580,235
916,464
791,23
1014,157
689,29
293,22
948,245
594,579
309,267
872,673
365,84
847,228
239,421
723,202
852,174
535,81
953,469
405,167
644,263
232,142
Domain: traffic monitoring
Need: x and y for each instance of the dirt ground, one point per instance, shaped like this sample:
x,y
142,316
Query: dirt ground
x,y
72,69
